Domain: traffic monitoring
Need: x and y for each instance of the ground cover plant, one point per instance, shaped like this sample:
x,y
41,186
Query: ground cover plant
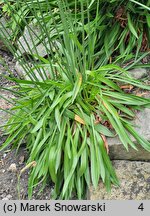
x,y
64,114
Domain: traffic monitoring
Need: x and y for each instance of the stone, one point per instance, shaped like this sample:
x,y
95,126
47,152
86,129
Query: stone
x,y
3,170
142,125
40,73
5,198
4,105
21,159
30,41
4,155
118,152
9,196
31,44
138,73
134,183
12,168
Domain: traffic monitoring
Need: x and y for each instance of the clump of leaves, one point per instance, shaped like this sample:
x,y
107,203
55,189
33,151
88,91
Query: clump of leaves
x,y
62,119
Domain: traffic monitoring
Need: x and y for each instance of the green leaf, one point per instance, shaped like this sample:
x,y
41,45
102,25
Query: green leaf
x,y
142,5
131,26
83,163
14,135
77,86
52,161
103,130
58,117
148,19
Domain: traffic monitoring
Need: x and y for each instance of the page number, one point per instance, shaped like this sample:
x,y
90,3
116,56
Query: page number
x,y
141,207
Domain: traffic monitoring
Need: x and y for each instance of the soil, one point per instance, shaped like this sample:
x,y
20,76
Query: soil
x,y
9,177
10,162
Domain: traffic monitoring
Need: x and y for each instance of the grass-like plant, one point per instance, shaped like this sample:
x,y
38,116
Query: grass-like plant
x,y
65,116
